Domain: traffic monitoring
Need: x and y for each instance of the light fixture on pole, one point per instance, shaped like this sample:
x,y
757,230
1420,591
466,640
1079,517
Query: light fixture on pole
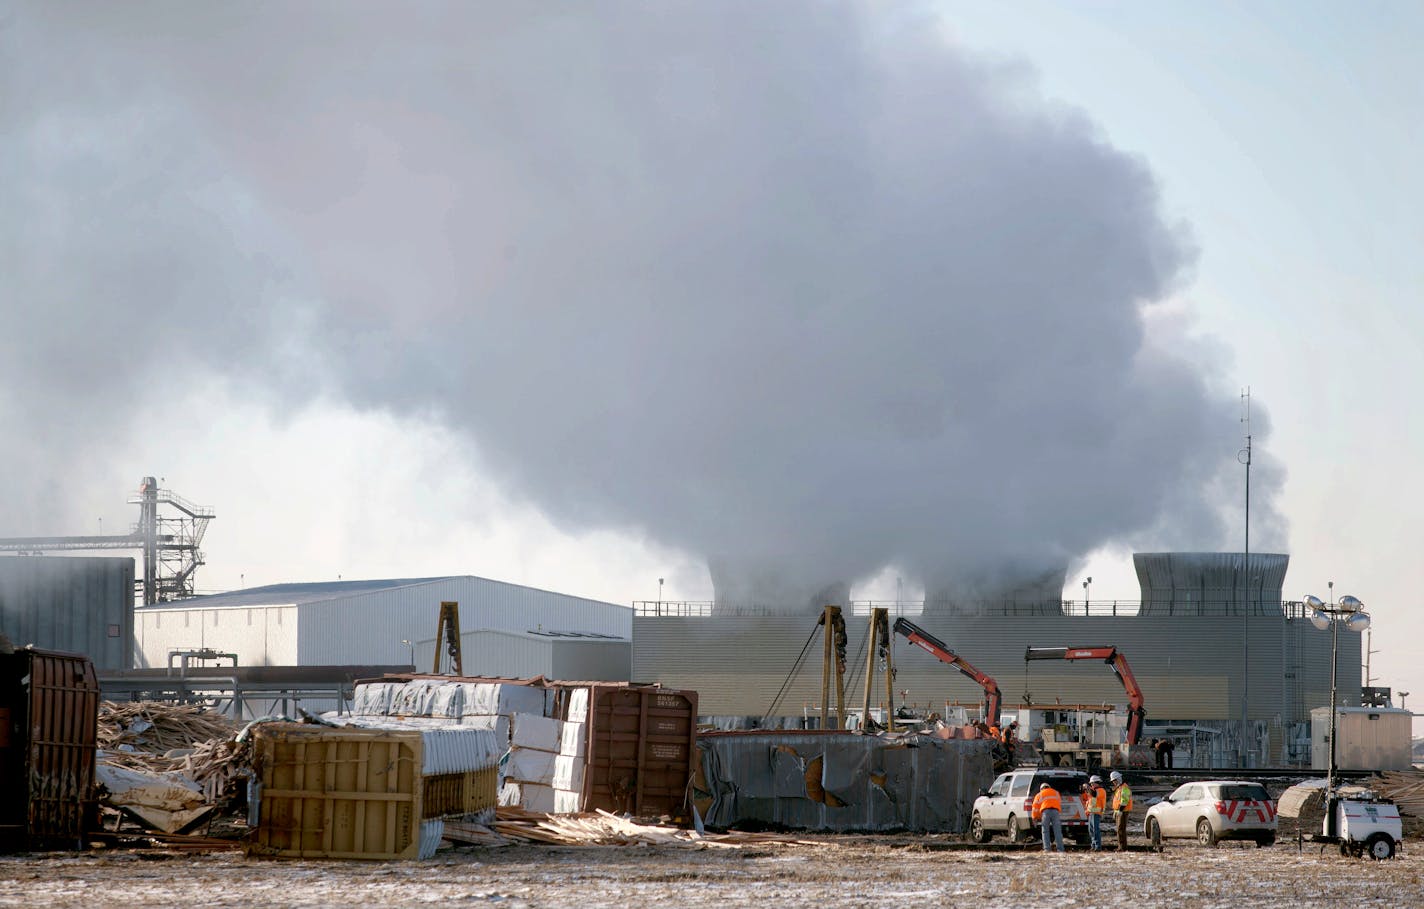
x,y
1349,612
660,594
411,645
1402,696
1086,584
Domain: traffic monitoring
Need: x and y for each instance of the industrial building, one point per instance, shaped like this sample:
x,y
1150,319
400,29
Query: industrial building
x,y
72,604
506,629
1201,642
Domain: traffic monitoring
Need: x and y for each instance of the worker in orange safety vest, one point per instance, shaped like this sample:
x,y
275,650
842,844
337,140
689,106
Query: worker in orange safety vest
x,y
1047,809
1095,802
1121,804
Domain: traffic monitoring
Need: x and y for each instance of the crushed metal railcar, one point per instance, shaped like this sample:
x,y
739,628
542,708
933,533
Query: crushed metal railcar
x,y
840,781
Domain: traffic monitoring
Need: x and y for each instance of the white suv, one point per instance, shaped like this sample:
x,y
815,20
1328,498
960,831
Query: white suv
x,y
1005,807
1214,810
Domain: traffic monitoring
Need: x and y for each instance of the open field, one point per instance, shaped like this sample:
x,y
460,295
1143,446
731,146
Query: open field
x,y
836,872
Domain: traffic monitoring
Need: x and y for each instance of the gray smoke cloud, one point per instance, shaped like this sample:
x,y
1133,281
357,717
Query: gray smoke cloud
x,y
800,287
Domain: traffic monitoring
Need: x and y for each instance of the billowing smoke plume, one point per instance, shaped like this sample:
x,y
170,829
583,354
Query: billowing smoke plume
x,y
798,286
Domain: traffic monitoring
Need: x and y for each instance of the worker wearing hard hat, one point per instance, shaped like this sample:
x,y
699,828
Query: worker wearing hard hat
x,y
1095,801
1121,804
1048,811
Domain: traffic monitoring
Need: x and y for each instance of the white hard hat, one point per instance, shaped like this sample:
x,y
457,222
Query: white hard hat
x,y
1095,779
1115,777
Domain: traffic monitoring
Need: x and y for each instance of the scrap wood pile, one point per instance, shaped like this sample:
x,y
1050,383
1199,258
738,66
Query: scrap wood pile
x,y
1405,787
515,826
153,727
183,739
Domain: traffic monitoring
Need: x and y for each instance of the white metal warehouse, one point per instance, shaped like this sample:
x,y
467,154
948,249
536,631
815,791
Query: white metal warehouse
x,y
385,622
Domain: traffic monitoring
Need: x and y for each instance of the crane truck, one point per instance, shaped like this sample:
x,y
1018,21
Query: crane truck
x,y
1136,714
916,635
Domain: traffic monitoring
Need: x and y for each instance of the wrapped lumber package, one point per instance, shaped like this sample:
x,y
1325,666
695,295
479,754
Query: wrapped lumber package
x,y
501,726
428,697
527,765
502,698
460,765
536,731
373,698
370,789
573,740
529,796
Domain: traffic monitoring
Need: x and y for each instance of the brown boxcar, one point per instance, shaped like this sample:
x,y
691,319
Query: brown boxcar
x,y
641,749
49,717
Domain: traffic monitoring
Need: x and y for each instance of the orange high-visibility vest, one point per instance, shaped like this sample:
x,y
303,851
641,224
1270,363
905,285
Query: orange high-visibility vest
x,y
1046,799
1095,800
1122,798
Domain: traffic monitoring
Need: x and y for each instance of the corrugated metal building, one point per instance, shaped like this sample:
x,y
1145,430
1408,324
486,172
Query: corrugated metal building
x,y
572,655
363,622
77,605
1189,667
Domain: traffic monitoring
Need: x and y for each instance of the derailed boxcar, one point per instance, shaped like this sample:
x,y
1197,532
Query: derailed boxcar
x,y
49,715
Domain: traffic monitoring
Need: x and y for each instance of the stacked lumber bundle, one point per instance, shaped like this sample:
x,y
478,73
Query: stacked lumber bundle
x,y
1405,787
546,741
515,826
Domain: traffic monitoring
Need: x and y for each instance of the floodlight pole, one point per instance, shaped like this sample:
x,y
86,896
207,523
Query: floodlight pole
x,y
1246,570
1334,709
1359,620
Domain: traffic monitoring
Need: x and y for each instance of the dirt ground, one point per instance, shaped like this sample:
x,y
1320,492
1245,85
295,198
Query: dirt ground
x,y
832,873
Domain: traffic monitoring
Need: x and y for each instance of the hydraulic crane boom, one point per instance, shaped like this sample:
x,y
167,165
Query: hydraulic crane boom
x,y
1136,713
916,635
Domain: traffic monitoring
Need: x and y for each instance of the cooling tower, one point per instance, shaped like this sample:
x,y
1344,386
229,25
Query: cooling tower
x,y
1026,590
1187,583
764,587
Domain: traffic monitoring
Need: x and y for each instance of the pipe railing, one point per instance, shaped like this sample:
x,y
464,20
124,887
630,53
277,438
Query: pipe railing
x,y
1289,609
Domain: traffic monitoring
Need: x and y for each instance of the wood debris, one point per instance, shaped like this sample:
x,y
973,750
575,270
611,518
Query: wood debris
x,y
153,727
175,738
516,826
1405,787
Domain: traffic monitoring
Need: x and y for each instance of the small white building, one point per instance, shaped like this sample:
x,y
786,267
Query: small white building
x,y
506,629
1370,738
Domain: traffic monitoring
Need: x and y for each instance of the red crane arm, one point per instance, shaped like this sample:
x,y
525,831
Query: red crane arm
x,y
1136,712
993,699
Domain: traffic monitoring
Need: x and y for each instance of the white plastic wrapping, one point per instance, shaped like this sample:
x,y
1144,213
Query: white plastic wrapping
x,y
568,773
538,732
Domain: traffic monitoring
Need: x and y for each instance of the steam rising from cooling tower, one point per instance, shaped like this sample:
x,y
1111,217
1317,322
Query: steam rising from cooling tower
x,y
803,287
1024,589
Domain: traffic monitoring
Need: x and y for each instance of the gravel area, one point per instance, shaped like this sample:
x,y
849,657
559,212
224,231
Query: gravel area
x,y
837,872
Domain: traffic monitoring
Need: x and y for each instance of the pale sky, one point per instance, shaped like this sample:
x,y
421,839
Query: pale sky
x,y
1285,136
1288,135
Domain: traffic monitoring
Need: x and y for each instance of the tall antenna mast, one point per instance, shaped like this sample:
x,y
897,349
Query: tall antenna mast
x,y
1244,457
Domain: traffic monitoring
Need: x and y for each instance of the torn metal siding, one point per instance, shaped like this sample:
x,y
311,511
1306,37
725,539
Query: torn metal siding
x,y
841,782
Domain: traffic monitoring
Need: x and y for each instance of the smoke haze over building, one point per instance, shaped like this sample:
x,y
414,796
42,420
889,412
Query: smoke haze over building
x,y
803,288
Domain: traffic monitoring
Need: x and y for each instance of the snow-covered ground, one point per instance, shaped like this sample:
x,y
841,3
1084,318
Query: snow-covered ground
x,y
848,872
